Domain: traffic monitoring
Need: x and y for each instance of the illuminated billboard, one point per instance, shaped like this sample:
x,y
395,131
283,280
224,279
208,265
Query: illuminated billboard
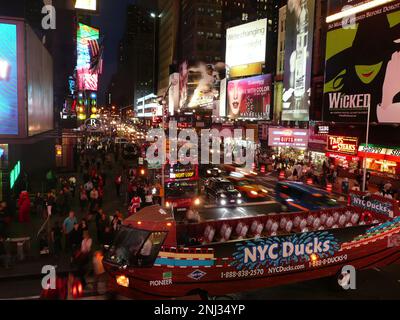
x,y
39,77
250,98
90,5
8,80
286,137
298,60
86,80
199,84
362,67
246,44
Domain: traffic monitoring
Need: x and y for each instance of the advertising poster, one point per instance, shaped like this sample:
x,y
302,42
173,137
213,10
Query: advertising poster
x,y
199,84
362,66
246,44
250,98
173,94
8,80
86,80
298,60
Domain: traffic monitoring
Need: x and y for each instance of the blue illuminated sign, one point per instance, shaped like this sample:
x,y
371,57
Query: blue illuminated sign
x,y
8,80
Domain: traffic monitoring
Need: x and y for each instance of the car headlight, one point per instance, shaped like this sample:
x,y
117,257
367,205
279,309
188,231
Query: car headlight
x,y
264,190
197,202
208,171
222,195
223,202
239,195
254,193
239,201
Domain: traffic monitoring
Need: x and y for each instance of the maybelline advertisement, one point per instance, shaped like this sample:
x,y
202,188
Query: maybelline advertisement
x,y
250,98
298,60
363,68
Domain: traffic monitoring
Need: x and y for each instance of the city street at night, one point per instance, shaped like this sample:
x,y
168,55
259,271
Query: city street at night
x,y
198,151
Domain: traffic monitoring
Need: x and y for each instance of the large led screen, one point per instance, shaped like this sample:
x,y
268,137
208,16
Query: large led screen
x,y
298,60
362,67
8,80
250,98
86,80
90,5
39,85
246,44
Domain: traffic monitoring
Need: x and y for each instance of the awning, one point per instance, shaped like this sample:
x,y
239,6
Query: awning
x,y
379,153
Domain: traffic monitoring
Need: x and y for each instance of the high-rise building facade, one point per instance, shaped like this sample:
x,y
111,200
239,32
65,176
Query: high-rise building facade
x,y
168,22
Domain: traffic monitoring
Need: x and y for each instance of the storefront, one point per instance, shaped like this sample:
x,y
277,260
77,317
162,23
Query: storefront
x,y
342,152
317,144
381,160
288,143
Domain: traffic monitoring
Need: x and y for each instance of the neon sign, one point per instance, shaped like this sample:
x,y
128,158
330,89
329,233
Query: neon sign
x,y
14,174
346,145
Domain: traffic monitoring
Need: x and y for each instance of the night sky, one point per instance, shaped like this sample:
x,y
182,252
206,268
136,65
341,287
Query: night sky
x,y
111,22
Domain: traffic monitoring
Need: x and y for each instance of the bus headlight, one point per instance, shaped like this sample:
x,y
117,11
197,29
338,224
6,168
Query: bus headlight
x,y
123,281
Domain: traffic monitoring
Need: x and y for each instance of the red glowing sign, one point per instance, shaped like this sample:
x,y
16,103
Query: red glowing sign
x,y
345,145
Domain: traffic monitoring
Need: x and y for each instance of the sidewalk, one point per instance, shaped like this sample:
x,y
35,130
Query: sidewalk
x,y
33,263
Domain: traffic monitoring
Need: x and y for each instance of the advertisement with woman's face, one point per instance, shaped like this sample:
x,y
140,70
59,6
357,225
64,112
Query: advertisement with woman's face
x,y
250,97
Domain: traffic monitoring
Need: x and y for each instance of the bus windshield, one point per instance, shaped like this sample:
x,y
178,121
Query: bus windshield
x,y
181,190
126,245
135,247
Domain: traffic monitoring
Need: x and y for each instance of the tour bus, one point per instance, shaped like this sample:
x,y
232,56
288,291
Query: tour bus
x,y
157,256
181,186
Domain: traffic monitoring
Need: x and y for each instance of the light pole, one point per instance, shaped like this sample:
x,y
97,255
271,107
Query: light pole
x,y
155,16
366,145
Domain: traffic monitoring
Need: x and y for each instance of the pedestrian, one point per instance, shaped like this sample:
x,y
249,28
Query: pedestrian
x,y
94,197
83,199
68,226
39,204
82,258
56,235
116,224
72,185
117,182
345,186
98,270
24,204
149,199
76,237
4,256
102,225
134,204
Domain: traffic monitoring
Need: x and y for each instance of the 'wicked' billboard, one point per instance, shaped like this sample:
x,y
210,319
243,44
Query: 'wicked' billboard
x,y
363,67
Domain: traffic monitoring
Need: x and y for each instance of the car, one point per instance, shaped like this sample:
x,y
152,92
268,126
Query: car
x,y
248,188
208,171
297,196
222,192
119,140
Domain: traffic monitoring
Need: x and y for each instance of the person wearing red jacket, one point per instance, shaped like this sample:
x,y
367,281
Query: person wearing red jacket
x,y
24,204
